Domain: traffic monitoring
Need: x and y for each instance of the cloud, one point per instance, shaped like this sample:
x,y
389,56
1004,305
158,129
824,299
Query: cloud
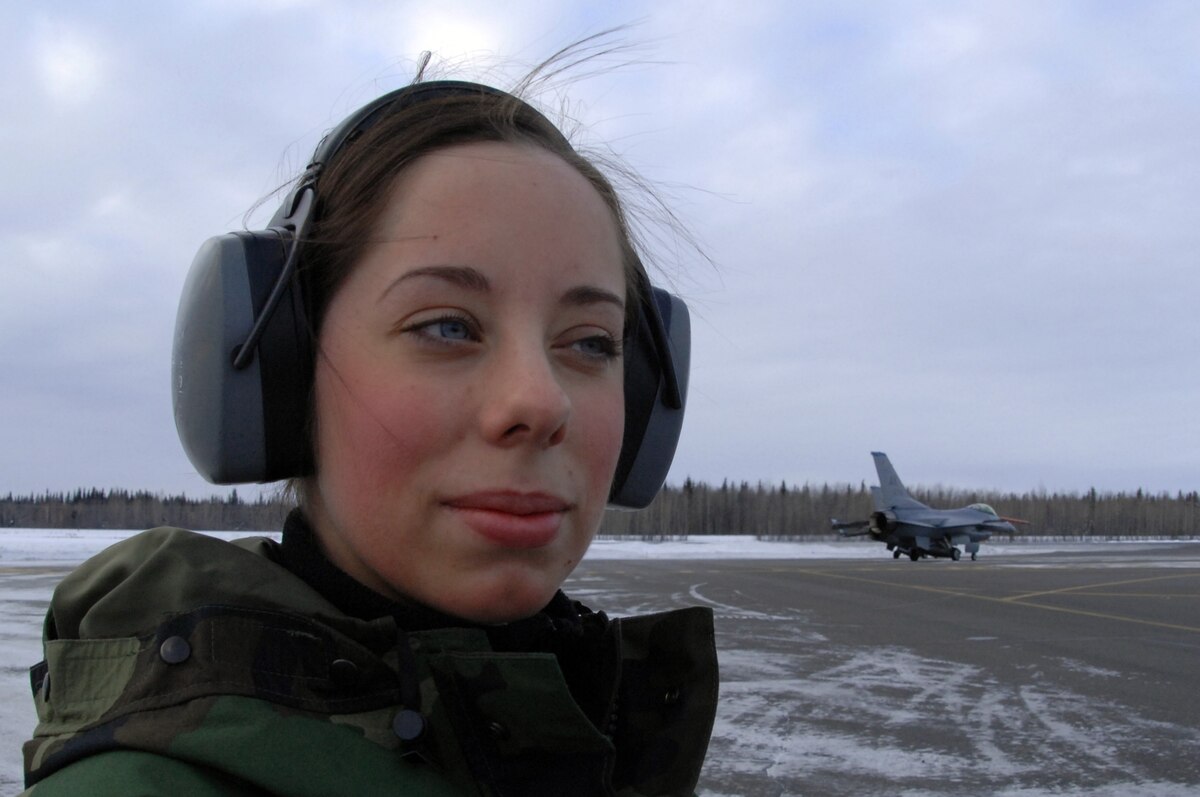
x,y
70,64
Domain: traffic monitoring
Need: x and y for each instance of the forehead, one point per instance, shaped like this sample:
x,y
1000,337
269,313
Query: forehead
x,y
492,187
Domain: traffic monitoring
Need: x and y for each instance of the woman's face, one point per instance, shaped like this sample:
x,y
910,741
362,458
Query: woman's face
x,y
469,398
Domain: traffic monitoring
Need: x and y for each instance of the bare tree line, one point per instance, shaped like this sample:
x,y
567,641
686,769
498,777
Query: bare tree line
x,y
122,509
764,510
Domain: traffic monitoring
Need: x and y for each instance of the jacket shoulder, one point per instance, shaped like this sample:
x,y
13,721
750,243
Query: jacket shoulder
x,y
129,587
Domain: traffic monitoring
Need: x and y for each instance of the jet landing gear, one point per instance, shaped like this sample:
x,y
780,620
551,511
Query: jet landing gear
x,y
940,550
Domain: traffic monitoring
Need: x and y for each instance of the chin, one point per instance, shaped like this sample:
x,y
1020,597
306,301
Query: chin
x,y
505,602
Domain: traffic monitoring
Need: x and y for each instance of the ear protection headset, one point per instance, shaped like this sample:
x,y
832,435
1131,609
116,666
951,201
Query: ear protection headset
x,y
242,366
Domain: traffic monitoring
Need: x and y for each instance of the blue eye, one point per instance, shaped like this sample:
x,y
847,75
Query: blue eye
x,y
447,330
600,347
450,328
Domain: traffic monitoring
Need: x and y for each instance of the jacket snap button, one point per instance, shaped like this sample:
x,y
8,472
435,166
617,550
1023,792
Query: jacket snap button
x,y
175,650
408,725
497,730
671,697
343,672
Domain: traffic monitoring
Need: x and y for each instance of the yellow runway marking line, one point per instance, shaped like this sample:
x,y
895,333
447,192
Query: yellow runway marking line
x,y
1012,601
1184,595
1104,616
1098,586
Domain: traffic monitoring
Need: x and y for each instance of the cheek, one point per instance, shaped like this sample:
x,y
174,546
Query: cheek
x,y
602,435
369,434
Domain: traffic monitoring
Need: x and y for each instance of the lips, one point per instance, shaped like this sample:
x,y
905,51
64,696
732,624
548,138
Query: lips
x,y
511,519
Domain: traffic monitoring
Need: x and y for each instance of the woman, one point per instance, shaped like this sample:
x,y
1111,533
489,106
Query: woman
x,y
489,370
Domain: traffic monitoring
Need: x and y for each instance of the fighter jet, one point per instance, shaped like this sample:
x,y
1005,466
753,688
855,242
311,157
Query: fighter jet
x,y
909,527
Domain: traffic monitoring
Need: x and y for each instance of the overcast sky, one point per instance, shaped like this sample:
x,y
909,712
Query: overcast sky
x,y
965,234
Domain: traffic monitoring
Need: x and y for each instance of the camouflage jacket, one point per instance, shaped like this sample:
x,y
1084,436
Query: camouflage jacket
x,y
178,664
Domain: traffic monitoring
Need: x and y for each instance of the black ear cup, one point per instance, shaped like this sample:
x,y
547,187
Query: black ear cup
x,y
653,406
241,424
243,415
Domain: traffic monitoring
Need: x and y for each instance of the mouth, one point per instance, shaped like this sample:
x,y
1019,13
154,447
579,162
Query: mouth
x,y
511,519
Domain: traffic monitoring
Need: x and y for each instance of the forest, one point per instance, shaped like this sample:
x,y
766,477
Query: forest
x,y
779,511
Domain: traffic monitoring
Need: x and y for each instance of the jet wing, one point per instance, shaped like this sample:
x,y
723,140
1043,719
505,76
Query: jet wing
x,y
945,524
921,524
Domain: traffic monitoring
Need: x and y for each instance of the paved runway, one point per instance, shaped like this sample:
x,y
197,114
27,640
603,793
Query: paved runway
x,y
1058,673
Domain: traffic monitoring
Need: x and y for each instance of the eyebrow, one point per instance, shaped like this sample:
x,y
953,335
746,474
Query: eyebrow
x,y
584,295
462,276
473,280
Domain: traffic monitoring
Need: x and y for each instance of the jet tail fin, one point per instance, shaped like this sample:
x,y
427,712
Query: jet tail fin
x,y
892,492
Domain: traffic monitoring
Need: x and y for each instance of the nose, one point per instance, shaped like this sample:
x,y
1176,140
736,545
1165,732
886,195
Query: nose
x,y
524,401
